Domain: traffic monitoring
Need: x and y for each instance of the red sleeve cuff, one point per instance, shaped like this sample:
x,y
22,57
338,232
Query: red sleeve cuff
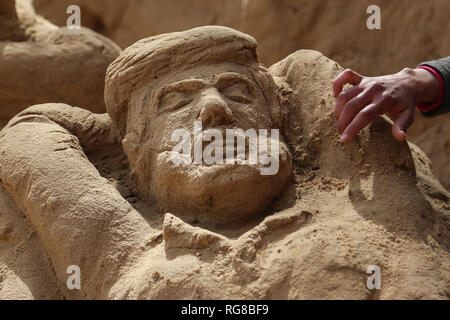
x,y
426,107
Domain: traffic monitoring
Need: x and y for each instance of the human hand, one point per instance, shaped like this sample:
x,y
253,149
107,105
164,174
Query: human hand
x,y
395,95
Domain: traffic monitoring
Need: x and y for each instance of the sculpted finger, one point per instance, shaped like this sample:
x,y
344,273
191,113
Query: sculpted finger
x,y
347,76
362,119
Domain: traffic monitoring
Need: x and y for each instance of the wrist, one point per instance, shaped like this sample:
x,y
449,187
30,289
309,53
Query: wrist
x,y
426,85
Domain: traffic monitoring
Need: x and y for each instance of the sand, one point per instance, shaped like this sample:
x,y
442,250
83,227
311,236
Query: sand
x,y
68,196
371,202
69,66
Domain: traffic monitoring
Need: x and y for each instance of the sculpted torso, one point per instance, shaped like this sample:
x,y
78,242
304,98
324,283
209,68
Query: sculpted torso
x,y
102,190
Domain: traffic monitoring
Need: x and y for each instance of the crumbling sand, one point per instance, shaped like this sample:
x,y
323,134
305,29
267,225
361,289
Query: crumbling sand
x,y
433,137
371,202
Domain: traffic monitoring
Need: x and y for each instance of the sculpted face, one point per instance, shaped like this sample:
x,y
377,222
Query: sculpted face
x,y
221,96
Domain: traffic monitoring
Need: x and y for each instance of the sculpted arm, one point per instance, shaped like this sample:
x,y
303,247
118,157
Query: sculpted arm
x,y
80,218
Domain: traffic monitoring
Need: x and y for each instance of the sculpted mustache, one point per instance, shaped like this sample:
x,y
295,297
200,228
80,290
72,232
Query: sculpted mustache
x,y
224,141
236,146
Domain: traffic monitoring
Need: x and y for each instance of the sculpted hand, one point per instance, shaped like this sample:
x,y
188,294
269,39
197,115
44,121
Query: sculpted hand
x,y
395,95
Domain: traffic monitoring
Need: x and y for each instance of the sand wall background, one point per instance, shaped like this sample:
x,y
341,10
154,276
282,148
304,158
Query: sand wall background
x,y
412,31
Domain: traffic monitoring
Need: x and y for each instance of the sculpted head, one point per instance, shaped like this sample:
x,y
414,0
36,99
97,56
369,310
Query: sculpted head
x,y
206,79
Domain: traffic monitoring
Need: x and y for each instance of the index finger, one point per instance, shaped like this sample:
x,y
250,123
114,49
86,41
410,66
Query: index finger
x,y
347,76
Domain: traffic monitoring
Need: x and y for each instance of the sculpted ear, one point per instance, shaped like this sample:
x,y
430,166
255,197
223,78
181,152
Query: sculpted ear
x,y
130,144
283,91
271,90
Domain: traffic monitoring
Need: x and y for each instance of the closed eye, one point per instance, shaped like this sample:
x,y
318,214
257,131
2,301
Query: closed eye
x,y
237,92
174,100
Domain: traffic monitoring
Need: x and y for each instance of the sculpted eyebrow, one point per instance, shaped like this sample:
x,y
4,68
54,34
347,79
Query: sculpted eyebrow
x,y
185,85
230,78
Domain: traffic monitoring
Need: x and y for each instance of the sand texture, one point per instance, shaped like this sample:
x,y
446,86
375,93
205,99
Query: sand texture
x,y
40,63
95,190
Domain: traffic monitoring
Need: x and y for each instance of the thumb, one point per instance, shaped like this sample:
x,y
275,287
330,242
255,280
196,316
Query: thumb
x,y
401,124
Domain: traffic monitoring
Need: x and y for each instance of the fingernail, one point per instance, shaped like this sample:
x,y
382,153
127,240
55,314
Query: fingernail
x,y
403,134
344,138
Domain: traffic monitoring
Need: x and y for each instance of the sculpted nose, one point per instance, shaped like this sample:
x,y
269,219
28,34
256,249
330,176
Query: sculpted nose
x,y
214,110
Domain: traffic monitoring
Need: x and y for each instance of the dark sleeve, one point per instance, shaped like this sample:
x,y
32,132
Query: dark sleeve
x,y
442,66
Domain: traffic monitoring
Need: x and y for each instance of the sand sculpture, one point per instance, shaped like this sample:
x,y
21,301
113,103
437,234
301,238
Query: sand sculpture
x,y
310,231
68,66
